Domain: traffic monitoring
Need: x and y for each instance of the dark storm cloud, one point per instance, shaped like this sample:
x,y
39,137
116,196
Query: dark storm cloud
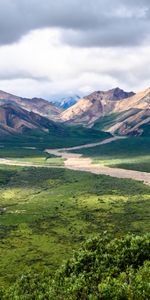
x,y
84,23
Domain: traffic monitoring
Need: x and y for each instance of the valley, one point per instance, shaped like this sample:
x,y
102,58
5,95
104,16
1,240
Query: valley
x,y
47,213
74,150
131,153
66,180
71,158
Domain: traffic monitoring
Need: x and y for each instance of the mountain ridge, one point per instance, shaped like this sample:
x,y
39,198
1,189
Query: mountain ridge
x,y
91,107
134,110
16,120
37,105
116,111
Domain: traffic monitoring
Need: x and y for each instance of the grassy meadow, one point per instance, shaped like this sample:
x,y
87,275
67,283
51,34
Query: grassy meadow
x,y
31,148
30,155
58,137
47,213
132,153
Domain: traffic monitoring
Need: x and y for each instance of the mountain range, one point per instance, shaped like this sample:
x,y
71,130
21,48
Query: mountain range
x,y
36,105
114,111
93,106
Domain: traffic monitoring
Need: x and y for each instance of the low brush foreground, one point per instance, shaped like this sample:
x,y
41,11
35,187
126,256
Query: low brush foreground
x,y
46,214
104,268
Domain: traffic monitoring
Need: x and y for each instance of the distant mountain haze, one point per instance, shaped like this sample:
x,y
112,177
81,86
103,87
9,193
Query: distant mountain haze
x,y
66,102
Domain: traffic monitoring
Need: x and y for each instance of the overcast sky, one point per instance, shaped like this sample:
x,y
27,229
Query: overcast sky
x,y
51,48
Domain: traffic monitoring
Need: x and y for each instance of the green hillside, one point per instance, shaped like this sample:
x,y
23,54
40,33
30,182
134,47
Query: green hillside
x,y
146,130
128,119
106,121
58,136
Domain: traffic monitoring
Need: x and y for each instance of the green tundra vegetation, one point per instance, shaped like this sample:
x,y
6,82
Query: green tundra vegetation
x,y
104,268
106,122
30,155
132,153
31,148
59,136
45,214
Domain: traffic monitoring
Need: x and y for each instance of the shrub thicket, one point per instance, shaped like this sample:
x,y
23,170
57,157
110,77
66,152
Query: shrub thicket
x,y
103,268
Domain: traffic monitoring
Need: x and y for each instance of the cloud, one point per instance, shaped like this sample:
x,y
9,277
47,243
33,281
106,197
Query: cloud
x,y
51,68
65,47
89,23
14,75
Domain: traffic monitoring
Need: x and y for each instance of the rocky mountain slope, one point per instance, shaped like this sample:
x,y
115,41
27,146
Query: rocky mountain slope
x,y
111,95
115,111
21,127
134,114
130,122
93,106
140,100
16,120
37,105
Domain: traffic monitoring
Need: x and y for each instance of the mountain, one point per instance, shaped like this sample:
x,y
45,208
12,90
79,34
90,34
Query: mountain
x,y
19,127
129,122
114,111
93,106
140,100
66,102
112,95
129,117
37,105
134,115
16,120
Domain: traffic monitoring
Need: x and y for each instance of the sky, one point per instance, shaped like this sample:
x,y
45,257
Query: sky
x,y
57,48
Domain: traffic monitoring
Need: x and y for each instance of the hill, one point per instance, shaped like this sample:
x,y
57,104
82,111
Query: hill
x,y
36,105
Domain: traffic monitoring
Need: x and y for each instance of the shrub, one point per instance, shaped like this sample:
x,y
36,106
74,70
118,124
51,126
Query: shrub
x,y
104,268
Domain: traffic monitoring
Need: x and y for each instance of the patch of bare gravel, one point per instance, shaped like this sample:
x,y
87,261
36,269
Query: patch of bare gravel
x,y
75,161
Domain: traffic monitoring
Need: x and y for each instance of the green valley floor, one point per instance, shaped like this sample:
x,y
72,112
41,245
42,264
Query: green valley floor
x,y
46,213
132,153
